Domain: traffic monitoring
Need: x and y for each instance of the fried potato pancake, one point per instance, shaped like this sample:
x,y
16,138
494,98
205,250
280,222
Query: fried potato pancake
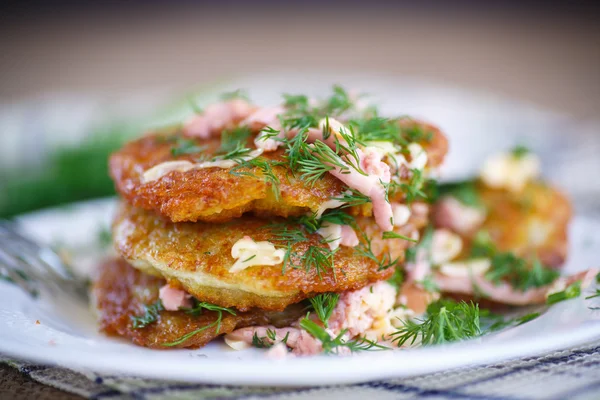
x,y
197,257
216,195
122,292
531,222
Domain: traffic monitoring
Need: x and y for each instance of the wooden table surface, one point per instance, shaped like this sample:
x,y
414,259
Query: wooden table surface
x,y
545,58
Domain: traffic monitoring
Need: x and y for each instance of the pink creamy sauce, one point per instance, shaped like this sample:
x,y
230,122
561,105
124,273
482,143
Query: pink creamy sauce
x,y
349,237
216,117
504,293
369,161
173,299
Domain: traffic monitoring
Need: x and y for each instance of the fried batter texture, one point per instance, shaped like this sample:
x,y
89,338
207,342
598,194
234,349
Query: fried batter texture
x,y
197,257
122,292
218,195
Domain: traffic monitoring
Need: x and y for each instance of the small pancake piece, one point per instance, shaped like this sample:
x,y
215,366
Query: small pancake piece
x,y
122,292
218,195
531,222
197,257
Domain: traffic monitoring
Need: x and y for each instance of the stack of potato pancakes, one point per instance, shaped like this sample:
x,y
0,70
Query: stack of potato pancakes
x,y
283,227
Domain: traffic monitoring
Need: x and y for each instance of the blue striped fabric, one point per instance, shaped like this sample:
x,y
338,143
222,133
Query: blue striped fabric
x,y
568,374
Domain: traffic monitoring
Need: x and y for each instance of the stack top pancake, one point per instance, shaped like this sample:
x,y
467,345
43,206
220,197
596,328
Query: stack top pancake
x,y
288,160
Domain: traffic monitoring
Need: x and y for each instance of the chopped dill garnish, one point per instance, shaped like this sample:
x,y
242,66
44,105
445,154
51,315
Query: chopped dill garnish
x,y
446,321
194,106
465,192
413,189
572,291
104,237
506,266
235,138
501,323
394,235
424,244
324,304
236,94
149,316
332,345
365,249
353,198
198,309
397,279
594,295
265,167
428,283
185,146
520,151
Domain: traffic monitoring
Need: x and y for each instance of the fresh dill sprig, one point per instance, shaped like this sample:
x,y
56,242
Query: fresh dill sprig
x,y
236,94
324,304
594,295
149,316
413,189
424,244
232,139
447,321
506,266
353,198
194,106
572,291
198,309
500,323
520,151
318,258
185,146
104,237
365,249
333,345
269,340
237,154
265,167
394,235
465,192
397,279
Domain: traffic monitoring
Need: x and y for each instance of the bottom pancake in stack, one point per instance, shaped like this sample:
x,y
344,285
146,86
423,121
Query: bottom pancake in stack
x,y
183,284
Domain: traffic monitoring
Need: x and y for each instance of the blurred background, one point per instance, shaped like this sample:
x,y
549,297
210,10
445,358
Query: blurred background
x,y
79,77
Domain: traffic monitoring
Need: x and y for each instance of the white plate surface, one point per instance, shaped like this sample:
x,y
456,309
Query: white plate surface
x,y
66,333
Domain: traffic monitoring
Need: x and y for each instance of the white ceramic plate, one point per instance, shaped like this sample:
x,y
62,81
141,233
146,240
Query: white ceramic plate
x,y
477,125
66,333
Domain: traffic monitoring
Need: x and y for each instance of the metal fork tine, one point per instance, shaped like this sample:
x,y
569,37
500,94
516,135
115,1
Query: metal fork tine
x,y
19,253
12,271
46,273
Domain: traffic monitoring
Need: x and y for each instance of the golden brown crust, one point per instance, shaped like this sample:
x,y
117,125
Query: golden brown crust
x,y
531,222
215,195
121,292
197,257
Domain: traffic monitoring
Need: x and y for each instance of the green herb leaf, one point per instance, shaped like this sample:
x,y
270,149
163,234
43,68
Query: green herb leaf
x,y
149,316
324,304
571,292
520,151
394,235
447,321
186,146
198,309
333,345
465,192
